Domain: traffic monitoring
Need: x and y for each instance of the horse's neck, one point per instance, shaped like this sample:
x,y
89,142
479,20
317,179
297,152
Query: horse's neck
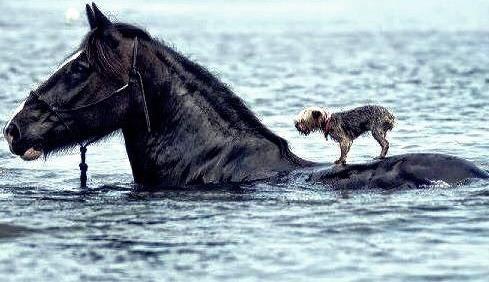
x,y
200,133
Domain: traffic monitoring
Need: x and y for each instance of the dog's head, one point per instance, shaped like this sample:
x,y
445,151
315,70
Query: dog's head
x,y
311,119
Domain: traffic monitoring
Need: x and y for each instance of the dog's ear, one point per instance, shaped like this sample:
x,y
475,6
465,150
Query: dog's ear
x,y
316,115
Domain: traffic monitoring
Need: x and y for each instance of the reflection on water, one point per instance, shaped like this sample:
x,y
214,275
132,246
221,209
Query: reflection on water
x,y
426,62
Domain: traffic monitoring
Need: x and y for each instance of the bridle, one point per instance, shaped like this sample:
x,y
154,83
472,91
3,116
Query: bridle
x,y
134,77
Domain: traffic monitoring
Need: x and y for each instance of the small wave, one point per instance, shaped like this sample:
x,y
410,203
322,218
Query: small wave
x,y
436,184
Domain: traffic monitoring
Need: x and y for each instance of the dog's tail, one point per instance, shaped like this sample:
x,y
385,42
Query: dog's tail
x,y
389,122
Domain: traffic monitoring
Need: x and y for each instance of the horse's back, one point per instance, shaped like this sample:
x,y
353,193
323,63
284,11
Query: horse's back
x,y
409,170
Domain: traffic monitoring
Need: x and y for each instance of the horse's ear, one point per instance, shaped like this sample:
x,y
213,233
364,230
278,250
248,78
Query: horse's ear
x,y
90,17
101,20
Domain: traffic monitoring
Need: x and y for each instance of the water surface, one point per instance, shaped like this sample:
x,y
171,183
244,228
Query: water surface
x,y
425,60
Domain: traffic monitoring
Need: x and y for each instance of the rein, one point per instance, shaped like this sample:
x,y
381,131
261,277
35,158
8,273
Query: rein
x,y
134,76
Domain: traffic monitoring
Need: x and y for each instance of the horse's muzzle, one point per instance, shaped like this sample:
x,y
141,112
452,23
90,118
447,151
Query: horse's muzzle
x,y
13,136
11,132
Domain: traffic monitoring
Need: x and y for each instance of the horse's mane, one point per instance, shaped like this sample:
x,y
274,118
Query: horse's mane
x,y
226,102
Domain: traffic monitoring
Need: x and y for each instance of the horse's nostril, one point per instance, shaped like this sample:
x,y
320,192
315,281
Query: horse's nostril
x,y
13,131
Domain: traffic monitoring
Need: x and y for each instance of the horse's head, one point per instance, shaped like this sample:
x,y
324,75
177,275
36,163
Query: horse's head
x,y
86,98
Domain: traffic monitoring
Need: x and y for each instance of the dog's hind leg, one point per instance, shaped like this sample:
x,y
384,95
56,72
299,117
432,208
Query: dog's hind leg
x,y
345,145
379,135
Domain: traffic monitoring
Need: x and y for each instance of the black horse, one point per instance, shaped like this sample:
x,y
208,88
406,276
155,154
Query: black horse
x,y
181,125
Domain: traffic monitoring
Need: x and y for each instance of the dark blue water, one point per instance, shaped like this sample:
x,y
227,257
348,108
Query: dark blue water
x,y
425,60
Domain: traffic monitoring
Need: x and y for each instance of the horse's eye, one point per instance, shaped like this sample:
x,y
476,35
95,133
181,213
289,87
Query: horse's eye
x,y
80,67
79,72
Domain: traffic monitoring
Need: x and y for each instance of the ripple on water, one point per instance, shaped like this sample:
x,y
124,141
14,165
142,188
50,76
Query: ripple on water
x,y
436,82
9,231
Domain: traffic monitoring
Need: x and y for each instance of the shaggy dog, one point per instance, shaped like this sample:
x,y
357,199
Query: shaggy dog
x,y
344,127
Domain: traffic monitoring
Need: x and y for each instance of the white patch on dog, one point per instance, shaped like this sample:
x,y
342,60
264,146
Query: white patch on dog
x,y
305,117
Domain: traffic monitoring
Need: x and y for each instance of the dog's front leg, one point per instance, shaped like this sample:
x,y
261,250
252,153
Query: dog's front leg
x,y
384,144
345,145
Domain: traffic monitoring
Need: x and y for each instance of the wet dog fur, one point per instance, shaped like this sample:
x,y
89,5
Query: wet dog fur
x,y
344,127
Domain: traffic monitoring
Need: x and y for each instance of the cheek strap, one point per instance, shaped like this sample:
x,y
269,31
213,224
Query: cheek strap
x,y
135,76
